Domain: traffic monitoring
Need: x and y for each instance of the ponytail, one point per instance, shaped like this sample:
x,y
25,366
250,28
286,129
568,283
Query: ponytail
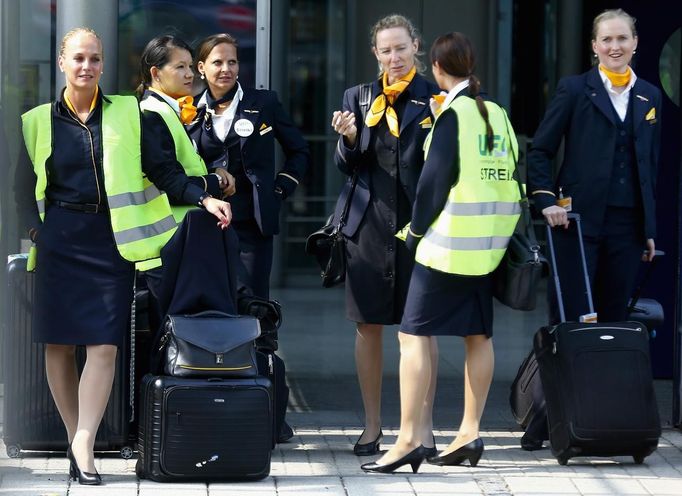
x,y
474,90
139,91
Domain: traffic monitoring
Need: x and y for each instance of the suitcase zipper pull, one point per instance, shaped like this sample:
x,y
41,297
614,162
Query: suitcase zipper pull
x,y
271,365
163,341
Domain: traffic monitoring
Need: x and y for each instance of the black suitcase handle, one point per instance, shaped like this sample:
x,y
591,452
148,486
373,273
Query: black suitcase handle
x,y
555,272
638,291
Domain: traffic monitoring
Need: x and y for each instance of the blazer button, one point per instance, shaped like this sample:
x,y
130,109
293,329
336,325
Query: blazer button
x,y
257,185
224,162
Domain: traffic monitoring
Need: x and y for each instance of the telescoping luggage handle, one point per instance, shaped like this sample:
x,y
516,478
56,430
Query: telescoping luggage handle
x,y
591,316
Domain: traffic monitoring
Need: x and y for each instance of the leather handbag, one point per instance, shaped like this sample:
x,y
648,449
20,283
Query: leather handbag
x,y
210,344
328,245
517,278
269,315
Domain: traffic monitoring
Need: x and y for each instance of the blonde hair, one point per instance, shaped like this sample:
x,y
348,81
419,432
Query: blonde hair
x,y
399,21
609,14
74,32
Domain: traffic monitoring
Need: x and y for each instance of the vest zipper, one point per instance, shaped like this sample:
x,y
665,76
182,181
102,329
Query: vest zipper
x,y
92,156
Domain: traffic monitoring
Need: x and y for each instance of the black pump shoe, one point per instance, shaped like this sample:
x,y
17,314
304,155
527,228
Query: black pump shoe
x,y
367,449
430,452
471,451
83,478
414,458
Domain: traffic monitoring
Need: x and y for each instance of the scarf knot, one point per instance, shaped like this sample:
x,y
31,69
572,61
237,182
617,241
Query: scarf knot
x,y
383,103
187,110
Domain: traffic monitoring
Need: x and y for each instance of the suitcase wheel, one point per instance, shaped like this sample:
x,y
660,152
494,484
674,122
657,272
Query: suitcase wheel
x,y
126,452
13,450
563,460
639,459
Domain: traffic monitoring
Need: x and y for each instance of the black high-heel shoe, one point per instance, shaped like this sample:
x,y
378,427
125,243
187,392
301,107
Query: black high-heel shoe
x,y
367,449
83,478
414,458
430,452
471,451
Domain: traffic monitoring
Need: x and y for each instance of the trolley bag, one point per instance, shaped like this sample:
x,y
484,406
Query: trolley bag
x,y
647,310
527,402
597,382
31,419
204,429
272,366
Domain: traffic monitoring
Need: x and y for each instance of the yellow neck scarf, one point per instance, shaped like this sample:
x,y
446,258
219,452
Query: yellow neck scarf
x,y
616,78
382,104
187,110
71,107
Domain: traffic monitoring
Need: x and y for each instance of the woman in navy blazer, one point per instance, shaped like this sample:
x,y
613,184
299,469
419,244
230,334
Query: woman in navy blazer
x,y
385,150
610,121
235,131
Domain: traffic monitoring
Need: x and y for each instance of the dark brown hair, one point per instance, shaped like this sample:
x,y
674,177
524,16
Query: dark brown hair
x,y
455,56
210,42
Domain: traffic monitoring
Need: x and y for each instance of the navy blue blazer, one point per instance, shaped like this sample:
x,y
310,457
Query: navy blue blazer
x,y
263,109
413,132
582,113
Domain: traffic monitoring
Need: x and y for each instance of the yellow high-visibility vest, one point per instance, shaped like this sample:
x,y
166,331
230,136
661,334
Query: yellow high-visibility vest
x,y
141,217
471,234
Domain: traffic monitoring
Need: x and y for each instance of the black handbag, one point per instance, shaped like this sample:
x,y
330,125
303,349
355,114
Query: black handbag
x,y
269,315
517,278
646,310
328,245
210,344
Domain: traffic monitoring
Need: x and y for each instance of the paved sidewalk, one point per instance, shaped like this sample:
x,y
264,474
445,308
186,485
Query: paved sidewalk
x,y
319,461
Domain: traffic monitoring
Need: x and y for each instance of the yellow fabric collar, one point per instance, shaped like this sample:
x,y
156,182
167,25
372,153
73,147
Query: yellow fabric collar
x,y
93,103
616,78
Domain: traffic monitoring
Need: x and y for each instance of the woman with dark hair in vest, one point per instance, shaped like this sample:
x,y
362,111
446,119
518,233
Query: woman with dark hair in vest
x,y
462,220
235,131
167,105
385,151
91,212
610,122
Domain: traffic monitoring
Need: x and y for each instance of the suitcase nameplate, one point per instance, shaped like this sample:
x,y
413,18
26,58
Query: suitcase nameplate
x,y
219,358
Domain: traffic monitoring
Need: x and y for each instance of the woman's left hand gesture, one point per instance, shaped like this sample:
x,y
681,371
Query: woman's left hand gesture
x,y
649,254
220,209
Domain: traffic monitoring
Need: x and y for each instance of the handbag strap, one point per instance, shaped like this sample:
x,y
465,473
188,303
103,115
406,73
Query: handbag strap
x,y
526,219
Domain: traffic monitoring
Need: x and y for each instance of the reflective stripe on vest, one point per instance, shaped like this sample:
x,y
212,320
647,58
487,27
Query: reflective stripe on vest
x,y
141,217
185,153
471,234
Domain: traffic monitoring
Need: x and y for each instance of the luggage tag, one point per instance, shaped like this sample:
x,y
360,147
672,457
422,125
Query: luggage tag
x,y
590,318
565,202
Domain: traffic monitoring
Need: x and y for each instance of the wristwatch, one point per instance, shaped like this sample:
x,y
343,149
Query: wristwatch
x,y
202,198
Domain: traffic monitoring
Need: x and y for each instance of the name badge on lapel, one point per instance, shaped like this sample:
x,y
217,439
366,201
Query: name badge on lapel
x,y
264,128
426,123
243,127
650,117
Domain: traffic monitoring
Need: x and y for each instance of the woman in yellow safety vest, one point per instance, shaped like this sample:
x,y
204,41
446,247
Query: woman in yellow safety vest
x,y
92,209
462,220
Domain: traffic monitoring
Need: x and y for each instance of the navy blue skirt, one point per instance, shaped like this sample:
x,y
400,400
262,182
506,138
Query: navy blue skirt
x,y
83,288
441,304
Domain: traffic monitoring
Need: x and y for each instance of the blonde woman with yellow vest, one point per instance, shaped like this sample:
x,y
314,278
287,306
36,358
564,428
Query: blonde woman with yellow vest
x,y
83,195
466,208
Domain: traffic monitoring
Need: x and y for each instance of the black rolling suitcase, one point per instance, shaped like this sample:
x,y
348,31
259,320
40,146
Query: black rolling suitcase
x,y
31,420
597,383
204,429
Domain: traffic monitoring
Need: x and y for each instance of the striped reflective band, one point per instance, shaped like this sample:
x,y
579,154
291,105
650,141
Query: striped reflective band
x,y
41,206
135,198
459,243
483,208
143,232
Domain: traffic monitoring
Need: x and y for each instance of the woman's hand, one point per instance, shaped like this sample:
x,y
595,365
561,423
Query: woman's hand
x,y
344,124
649,254
556,216
227,182
220,209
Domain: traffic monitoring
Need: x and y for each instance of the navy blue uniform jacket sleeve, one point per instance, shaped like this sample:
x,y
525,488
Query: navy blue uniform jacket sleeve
x,y
295,149
440,173
24,192
161,166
